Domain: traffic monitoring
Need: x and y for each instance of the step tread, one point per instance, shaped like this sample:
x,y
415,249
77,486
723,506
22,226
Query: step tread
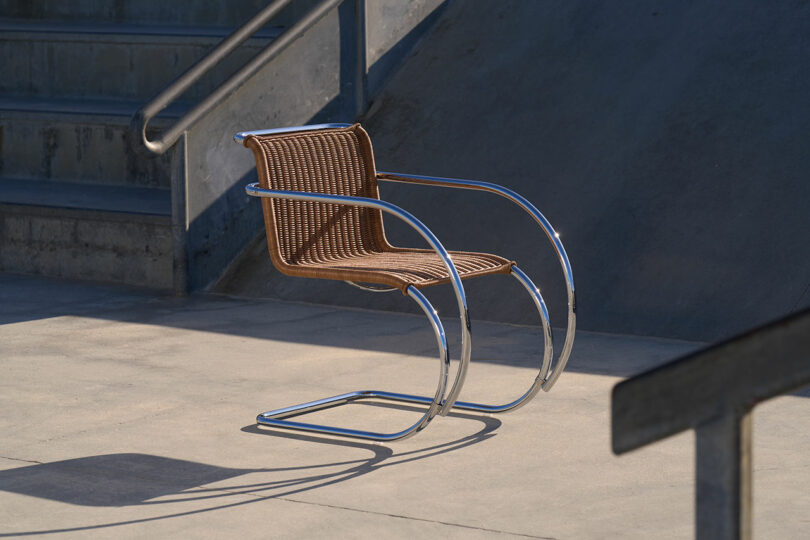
x,y
76,196
23,29
85,106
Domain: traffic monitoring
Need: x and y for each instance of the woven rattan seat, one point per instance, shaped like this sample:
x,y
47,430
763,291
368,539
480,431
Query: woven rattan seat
x,y
323,218
319,240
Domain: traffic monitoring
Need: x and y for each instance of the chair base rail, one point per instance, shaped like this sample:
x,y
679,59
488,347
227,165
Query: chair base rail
x,y
278,418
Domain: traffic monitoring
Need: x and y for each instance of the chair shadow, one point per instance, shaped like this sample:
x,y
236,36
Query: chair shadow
x,y
133,479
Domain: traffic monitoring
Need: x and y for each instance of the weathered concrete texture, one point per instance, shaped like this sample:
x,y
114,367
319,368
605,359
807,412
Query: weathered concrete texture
x,y
78,202
72,146
666,143
132,417
390,21
312,81
392,29
199,12
78,72
86,196
113,60
83,244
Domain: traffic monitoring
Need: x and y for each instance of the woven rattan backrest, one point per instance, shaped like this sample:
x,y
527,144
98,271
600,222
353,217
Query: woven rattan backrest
x,y
338,161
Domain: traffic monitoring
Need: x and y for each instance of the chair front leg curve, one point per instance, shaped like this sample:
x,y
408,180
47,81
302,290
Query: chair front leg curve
x,y
277,418
545,365
455,280
541,220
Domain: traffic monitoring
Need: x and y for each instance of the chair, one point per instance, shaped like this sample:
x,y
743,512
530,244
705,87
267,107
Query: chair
x,y
323,217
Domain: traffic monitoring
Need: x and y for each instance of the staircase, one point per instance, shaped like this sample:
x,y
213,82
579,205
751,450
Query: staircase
x,y
75,199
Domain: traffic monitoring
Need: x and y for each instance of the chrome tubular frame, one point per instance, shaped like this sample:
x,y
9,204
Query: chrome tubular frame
x,y
548,353
277,417
369,288
549,371
242,135
552,235
439,403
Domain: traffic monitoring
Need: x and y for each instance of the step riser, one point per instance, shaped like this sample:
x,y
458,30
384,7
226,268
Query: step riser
x,y
95,66
202,12
88,149
86,245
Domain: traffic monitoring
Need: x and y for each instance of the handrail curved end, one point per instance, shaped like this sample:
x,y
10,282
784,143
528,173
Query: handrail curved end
x,y
141,143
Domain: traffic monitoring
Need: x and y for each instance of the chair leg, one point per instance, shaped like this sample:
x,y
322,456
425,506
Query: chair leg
x,y
278,417
548,352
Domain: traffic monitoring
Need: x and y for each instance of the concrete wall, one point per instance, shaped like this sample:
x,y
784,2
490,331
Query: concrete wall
x,y
665,142
392,29
195,12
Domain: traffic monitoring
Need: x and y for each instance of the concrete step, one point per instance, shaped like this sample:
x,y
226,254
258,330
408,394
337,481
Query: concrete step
x,y
96,233
72,140
112,60
191,12
79,196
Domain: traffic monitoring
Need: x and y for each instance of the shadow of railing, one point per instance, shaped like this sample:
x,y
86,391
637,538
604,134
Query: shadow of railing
x,y
133,479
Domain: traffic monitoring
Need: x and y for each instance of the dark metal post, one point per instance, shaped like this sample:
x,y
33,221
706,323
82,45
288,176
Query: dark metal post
x,y
712,391
723,478
361,78
179,217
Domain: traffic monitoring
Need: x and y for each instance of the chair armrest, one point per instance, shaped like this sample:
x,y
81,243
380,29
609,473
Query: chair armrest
x,y
255,191
552,235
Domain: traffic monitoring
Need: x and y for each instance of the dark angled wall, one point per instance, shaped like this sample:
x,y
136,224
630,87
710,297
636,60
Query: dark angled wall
x,y
667,141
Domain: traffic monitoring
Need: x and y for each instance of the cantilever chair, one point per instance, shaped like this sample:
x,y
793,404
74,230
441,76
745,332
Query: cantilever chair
x,y
323,217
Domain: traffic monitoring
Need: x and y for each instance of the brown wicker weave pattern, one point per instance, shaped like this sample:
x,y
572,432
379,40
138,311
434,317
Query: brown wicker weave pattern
x,y
341,242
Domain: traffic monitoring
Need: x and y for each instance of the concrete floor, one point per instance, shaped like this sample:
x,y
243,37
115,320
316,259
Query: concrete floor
x,y
124,415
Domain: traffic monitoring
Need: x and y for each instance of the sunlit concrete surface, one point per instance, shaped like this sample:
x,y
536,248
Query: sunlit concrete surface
x,y
126,416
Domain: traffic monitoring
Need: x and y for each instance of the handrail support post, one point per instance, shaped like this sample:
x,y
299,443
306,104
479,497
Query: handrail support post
x,y
723,475
179,196
360,66
713,392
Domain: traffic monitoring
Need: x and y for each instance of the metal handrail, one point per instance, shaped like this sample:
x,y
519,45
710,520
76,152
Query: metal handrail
x,y
713,391
141,119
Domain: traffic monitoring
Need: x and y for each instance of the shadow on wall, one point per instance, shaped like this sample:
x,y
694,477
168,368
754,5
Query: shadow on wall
x,y
131,479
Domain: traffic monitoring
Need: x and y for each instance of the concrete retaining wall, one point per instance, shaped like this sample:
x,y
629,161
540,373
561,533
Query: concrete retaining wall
x,y
666,143
312,81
